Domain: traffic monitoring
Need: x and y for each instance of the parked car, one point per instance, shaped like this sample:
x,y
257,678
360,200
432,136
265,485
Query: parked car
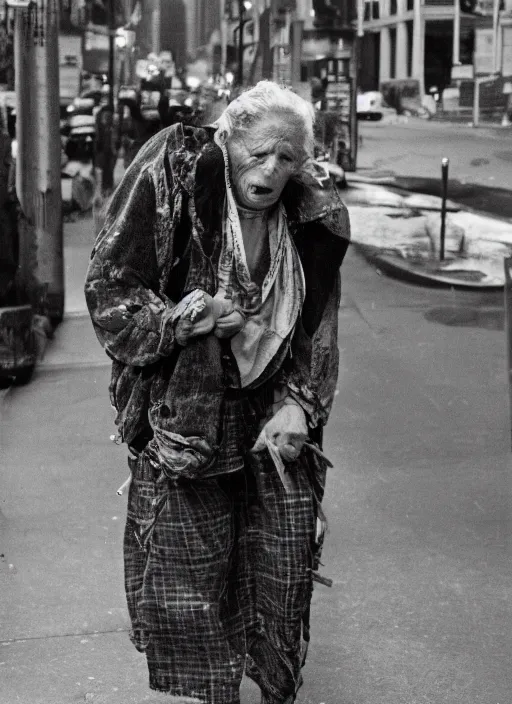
x,y
371,106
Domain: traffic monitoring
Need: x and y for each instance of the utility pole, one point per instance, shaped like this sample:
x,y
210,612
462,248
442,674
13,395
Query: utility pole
x,y
418,46
104,155
38,174
155,27
456,34
111,26
296,30
240,47
223,37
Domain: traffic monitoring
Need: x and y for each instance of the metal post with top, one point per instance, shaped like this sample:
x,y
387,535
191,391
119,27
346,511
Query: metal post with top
x,y
444,175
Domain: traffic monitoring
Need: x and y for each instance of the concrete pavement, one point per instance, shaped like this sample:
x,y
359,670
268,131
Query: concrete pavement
x,y
418,503
481,156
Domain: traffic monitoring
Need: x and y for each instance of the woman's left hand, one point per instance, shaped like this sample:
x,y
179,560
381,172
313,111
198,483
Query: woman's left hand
x,y
287,429
228,325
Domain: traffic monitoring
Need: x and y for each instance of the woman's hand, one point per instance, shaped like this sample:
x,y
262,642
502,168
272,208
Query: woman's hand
x,y
203,322
287,429
228,325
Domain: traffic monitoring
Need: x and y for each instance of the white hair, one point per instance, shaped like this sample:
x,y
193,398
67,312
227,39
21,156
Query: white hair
x,y
267,98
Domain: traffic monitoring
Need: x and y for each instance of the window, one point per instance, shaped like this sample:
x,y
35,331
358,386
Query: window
x,y
371,10
392,7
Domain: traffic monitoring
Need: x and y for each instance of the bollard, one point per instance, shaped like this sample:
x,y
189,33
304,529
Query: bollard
x,y
444,191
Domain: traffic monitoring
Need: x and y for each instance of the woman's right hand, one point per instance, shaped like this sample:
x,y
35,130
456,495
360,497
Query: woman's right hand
x,y
204,321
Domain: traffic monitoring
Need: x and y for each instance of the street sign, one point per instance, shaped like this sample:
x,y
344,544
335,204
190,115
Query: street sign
x,y
483,59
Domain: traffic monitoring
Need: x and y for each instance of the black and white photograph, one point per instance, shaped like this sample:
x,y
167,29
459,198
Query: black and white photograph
x,y
256,351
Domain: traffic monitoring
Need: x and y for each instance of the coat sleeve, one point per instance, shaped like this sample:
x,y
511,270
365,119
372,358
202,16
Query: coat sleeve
x,y
310,372
131,317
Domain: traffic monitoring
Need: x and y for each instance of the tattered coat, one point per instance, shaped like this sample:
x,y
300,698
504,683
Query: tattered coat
x,y
162,239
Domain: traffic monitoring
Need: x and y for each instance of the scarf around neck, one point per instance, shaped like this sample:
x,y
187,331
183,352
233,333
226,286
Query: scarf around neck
x,y
272,310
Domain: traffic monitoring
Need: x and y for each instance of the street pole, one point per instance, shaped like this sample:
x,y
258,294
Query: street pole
x,y
418,50
495,34
456,34
297,27
107,117
38,179
240,47
111,26
223,37
444,193
155,27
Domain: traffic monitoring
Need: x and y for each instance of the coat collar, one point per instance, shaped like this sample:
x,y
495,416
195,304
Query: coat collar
x,y
315,198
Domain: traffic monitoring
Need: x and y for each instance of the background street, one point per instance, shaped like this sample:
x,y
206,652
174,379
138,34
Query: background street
x,y
418,501
481,155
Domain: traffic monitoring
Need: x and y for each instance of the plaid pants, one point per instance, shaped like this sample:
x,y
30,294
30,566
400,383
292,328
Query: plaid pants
x,y
218,576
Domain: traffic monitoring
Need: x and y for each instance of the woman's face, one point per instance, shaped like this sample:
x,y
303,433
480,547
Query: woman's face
x,y
263,158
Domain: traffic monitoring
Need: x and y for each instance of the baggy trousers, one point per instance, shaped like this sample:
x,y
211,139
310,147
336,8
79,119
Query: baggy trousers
x,y
218,576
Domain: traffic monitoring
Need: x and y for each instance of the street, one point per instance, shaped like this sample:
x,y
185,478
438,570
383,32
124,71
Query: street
x,y
418,504
415,148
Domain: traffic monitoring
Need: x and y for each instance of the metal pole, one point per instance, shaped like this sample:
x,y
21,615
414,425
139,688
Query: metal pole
x,y
418,50
360,17
223,38
155,27
476,102
111,52
39,176
240,47
444,174
297,27
456,33
495,38
107,119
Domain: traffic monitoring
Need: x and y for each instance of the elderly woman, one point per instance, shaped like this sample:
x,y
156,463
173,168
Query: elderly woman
x,y
214,288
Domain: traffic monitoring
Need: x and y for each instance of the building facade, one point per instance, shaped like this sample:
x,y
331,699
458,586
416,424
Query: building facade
x,y
414,40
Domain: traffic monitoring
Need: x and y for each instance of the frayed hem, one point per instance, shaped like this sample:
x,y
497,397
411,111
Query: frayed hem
x,y
171,698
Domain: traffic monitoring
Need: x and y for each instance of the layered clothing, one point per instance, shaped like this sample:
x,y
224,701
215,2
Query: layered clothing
x,y
218,557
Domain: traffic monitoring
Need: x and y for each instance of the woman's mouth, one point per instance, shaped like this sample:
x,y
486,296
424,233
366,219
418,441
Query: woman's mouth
x,y
261,190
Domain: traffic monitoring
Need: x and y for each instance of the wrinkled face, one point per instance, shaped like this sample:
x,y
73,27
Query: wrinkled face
x,y
263,158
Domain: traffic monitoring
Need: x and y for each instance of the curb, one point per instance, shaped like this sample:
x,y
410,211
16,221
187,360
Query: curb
x,y
401,270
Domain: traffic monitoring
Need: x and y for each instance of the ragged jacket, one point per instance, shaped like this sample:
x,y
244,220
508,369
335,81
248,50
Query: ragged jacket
x,y
162,238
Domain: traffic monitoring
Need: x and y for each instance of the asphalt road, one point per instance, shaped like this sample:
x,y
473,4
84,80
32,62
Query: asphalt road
x,y
418,504
480,160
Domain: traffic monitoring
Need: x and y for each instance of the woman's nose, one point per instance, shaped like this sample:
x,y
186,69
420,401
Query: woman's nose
x,y
270,164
